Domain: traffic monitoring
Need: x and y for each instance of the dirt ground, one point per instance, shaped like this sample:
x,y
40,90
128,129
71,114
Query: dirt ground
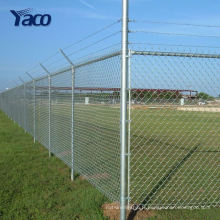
x,y
194,108
199,109
112,211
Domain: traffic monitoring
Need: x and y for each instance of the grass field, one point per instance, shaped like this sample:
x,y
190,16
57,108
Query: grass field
x,y
175,157
32,186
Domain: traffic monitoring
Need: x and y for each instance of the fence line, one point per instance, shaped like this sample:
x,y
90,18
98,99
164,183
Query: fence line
x,y
76,115
144,133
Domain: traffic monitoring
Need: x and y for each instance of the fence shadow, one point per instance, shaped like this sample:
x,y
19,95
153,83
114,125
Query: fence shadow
x,y
161,183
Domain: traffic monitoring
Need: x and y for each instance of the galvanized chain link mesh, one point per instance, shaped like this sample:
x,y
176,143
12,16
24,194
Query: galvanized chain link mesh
x,y
174,131
12,103
97,124
42,111
61,96
75,114
173,124
29,100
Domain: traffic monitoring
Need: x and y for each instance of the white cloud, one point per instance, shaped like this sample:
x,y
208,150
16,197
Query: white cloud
x,y
88,5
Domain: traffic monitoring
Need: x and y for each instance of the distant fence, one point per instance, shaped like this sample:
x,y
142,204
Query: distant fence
x,y
173,130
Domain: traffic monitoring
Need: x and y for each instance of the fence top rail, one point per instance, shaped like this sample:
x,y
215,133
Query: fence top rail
x,y
117,53
115,89
175,54
69,68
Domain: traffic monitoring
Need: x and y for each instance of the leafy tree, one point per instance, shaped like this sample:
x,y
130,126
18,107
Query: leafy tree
x,y
205,96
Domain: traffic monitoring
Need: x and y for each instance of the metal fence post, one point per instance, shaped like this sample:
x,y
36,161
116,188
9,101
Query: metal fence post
x,y
24,97
72,113
49,105
72,129
25,129
123,131
34,111
129,120
49,81
34,117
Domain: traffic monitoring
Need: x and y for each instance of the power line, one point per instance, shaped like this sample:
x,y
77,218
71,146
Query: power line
x,y
176,23
174,33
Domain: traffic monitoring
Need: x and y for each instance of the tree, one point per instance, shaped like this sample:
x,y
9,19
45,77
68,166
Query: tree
x,y
205,96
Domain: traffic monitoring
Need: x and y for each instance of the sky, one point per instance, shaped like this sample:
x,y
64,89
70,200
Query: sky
x,y
22,48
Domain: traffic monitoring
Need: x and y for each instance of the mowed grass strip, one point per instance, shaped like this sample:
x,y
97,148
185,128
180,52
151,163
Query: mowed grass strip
x,y
34,186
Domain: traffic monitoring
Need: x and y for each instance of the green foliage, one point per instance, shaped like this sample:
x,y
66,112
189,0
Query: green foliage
x,y
205,96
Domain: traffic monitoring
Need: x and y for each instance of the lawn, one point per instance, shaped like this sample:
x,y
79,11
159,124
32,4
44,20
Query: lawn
x,y
34,186
174,158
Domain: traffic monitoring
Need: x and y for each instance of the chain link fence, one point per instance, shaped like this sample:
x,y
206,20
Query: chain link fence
x,y
173,124
75,114
175,129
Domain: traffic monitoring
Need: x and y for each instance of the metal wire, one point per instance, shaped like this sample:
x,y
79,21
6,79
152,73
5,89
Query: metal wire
x,y
93,34
55,61
173,33
44,108
173,124
174,131
94,43
175,23
173,45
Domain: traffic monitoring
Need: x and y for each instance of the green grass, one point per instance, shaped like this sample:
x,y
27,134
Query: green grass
x,y
206,214
175,157
33,186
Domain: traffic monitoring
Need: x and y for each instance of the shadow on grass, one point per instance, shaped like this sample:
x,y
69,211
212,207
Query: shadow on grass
x,y
161,183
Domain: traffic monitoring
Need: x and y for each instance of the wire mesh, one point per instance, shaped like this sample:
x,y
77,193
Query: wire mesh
x,y
75,114
97,124
174,131
61,96
173,124
29,107
42,111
